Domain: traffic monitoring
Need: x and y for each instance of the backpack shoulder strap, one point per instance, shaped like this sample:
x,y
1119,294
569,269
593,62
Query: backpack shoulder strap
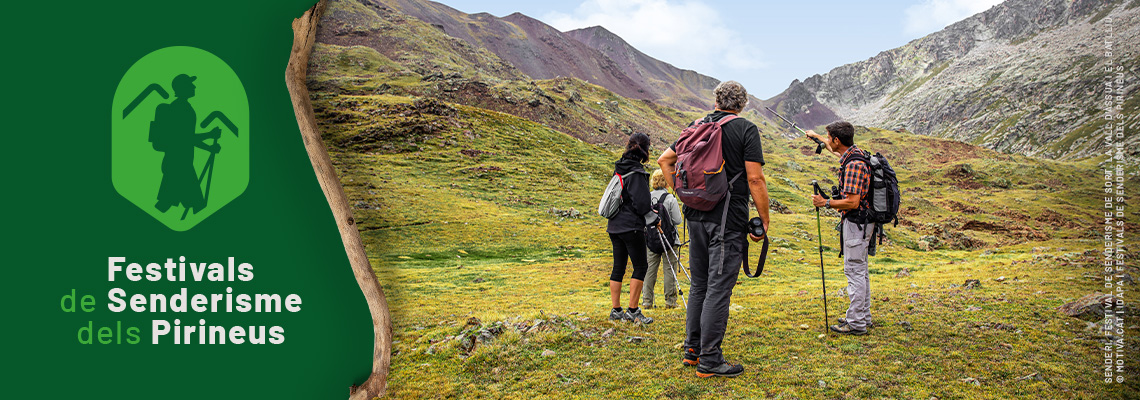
x,y
661,199
727,118
860,156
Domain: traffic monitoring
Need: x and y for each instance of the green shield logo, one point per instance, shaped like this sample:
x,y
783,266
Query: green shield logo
x,y
180,136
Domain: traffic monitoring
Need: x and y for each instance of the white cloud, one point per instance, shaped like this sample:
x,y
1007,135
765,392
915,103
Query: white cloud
x,y
688,34
933,15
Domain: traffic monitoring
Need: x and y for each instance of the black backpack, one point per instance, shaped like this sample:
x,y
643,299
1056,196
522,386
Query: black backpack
x,y
652,236
883,196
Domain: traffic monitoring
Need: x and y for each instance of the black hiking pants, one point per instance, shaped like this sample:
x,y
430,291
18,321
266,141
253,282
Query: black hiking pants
x,y
710,294
629,245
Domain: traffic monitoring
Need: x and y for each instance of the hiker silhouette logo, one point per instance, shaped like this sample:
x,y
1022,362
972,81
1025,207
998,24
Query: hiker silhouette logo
x,y
166,158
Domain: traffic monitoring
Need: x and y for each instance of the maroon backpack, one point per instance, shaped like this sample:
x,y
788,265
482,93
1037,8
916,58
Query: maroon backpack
x,y
700,180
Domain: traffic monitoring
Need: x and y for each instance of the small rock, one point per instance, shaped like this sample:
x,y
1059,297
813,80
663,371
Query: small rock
x,y
1000,279
636,339
822,384
608,333
821,336
1090,307
904,273
804,327
1034,376
972,381
906,325
973,308
548,353
1127,278
972,283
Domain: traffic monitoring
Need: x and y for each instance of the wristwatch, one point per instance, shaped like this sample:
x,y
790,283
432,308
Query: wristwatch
x,y
828,203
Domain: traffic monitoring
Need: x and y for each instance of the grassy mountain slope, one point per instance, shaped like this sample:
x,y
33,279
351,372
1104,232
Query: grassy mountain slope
x,y
480,223
378,50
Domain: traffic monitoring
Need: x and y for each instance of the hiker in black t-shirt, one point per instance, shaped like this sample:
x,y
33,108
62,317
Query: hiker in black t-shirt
x,y
714,276
627,228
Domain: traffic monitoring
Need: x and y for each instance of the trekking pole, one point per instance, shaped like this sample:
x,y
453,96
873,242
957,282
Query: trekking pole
x,y
207,169
818,143
677,256
819,236
672,267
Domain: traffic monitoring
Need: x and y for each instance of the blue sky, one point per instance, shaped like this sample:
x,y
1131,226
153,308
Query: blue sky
x,y
762,44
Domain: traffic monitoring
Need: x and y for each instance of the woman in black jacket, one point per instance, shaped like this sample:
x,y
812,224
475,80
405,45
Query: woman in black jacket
x,y
627,228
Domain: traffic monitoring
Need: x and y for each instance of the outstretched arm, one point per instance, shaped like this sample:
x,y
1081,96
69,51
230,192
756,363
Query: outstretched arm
x,y
201,138
823,138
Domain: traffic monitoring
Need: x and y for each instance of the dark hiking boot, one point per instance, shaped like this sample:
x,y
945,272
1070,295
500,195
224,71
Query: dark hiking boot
x,y
617,315
691,359
724,369
843,321
637,317
847,329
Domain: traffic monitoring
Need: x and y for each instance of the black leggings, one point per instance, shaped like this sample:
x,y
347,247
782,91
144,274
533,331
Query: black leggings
x,y
629,245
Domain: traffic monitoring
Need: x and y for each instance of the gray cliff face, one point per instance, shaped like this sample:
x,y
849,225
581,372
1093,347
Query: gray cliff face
x,y
1022,77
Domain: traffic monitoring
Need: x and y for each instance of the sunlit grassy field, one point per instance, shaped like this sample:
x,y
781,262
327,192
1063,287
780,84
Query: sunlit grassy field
x,y
472,230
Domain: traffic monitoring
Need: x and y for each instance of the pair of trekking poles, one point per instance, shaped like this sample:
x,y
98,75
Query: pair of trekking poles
x,y
673,257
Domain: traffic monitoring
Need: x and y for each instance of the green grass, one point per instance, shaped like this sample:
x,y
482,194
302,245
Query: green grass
x,y
454,193
449,243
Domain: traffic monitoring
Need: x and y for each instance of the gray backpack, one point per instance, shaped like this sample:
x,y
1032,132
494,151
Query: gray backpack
x,y
611,198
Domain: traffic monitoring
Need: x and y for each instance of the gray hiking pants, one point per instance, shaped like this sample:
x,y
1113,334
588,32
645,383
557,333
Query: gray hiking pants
x,y
856,240
710,293
668,266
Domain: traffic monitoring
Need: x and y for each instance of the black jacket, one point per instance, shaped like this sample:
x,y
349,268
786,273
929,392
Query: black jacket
x,y
635,198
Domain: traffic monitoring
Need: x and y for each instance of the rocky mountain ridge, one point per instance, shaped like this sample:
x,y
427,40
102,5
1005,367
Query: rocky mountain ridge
x,y
1022,77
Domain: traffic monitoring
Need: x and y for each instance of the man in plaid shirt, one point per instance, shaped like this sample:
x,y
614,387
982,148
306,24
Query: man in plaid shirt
x,y
854,183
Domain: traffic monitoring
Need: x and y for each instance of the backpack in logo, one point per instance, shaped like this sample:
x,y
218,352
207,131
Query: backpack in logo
x,y
611,198
160,133
883,195
700,180
665,221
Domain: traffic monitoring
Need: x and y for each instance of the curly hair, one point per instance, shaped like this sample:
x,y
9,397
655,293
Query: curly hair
x,y
731,96
657,180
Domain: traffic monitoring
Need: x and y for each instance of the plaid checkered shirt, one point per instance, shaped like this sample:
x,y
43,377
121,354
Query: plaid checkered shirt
x,y
856,178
